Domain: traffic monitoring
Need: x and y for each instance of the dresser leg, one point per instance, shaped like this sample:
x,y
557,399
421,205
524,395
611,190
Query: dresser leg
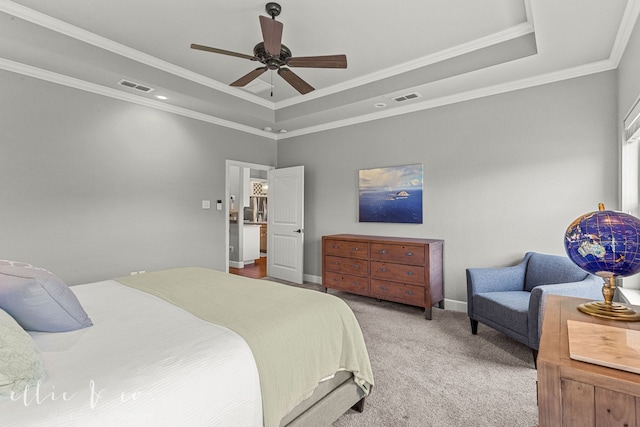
x,y
427,313
325,289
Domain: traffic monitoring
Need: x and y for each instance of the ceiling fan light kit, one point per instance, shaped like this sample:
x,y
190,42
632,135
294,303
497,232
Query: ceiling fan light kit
x,y
276,56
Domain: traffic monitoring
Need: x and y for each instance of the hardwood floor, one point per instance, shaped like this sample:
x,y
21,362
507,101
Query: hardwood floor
x,y
258,270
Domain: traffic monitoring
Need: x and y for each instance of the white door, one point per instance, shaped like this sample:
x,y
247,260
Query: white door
x,y
285,228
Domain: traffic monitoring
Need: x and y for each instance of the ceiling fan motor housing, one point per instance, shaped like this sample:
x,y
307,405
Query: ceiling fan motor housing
x,y
273,62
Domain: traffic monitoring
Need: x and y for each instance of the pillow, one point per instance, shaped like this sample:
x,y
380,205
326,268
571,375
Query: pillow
x,y
38,300
21,363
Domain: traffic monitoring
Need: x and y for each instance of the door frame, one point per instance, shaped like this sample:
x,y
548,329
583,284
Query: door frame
x,y
227,195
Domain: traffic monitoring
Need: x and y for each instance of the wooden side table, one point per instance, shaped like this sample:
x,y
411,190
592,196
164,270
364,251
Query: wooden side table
x,y
574,393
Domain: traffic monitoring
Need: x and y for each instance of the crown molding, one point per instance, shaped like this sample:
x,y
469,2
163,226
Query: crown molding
x,y
481,43
627,24
85,36
552,77
38,73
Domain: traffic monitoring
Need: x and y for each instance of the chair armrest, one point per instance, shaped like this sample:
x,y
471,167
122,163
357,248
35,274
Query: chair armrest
x,y
590,288
481,280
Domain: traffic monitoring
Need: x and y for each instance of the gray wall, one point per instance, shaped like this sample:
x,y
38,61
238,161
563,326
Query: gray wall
x,y
93,188
503,175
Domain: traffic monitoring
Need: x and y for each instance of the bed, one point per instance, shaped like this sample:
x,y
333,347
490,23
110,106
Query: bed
x,y
185,346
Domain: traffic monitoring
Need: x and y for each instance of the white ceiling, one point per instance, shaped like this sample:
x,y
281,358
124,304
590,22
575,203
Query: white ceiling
x,y
447,51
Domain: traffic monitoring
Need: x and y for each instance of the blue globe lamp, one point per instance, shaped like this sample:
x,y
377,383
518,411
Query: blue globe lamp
x,y
606,243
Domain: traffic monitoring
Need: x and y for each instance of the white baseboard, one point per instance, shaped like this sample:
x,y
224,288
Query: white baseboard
x,y
454,305
236,264
449,304
312,279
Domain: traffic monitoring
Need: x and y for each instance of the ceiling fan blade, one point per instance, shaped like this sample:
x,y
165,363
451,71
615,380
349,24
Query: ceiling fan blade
x,y
248,78
271,34
294,80
222,51
328,61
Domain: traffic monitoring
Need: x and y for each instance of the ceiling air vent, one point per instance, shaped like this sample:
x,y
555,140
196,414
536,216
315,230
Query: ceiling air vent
x,y
136,86
407,97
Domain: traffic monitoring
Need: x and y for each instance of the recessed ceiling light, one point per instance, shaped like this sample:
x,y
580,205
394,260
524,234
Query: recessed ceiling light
x,y
162,97
267,129
283,131
380,105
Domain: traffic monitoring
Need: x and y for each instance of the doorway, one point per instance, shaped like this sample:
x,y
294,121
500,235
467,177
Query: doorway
x,y
246,219
257,270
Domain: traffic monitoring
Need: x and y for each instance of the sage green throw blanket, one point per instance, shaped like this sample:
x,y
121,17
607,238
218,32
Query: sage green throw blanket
x,y
298,336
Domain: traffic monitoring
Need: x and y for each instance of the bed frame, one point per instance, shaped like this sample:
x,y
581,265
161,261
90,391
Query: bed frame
x,y
330,400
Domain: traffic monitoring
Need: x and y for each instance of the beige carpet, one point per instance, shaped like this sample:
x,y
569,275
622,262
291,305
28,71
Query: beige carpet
x,y
435,373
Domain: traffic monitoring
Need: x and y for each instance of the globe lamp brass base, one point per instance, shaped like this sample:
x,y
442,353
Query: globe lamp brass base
x,y
607,309
611,311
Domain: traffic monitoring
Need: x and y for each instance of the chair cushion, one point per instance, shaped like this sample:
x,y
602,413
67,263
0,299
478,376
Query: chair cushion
x,y
508,309
545,269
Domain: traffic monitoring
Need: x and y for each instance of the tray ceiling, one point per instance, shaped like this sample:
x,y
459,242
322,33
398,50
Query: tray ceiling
x,y
442,51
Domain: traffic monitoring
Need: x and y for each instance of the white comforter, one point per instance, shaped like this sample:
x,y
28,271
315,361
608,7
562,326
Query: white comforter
x,y
144,362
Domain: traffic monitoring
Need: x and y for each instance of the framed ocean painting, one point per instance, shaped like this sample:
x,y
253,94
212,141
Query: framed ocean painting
x,y
391,194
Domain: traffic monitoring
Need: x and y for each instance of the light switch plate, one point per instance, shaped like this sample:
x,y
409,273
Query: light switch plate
x,y
206,204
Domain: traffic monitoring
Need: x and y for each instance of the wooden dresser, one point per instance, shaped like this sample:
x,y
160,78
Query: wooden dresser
x,y
574,393
405,270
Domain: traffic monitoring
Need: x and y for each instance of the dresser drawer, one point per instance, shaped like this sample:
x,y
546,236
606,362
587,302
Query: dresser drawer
x,y
355,266
346,282
406,254
346,248
408,294
413,274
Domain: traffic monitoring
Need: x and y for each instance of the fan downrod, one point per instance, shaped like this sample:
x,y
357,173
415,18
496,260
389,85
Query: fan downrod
x,y
273,9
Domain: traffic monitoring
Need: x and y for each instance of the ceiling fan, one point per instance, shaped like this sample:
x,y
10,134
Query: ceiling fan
x,y
276,56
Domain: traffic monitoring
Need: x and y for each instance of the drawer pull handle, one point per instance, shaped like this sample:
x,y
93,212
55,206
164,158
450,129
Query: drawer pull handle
x,y
356,248
356,266
383,251
409,273
335,262
409,253
409,292
356,283
383,269
384,288
335,246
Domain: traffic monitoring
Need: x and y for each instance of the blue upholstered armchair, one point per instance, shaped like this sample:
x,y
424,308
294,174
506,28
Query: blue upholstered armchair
x,y
512,299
